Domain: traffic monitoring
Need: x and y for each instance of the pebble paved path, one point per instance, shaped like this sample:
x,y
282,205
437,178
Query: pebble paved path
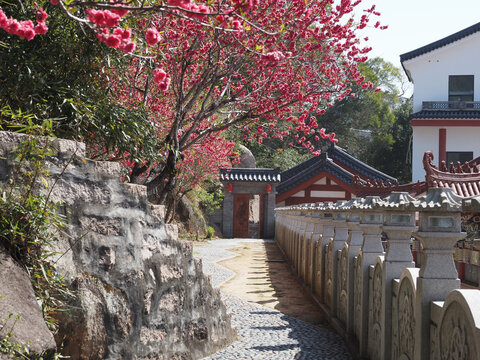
x,y
264,333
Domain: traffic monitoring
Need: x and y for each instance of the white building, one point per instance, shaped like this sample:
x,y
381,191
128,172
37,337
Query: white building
x,y
446,99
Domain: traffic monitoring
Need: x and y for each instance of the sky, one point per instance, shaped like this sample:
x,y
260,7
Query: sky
x,y
415,23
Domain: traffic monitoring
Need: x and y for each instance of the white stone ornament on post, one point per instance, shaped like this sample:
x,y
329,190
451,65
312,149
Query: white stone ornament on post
x,y
439,230
398,224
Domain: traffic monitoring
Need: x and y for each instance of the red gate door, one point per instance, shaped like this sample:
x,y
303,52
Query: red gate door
x,y
241,204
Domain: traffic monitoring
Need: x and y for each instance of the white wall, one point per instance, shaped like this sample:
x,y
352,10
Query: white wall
x,y
430,71
429,142
425,138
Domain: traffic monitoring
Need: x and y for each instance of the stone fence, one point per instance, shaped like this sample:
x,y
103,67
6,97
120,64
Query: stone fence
x,y
383,305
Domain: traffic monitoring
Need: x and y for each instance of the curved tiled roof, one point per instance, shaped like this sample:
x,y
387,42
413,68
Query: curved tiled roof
x,y
250,175
309,169
337,153
443,114
325,162
462,183
440,43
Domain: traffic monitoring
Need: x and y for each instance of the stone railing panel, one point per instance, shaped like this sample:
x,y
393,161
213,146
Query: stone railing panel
x,y
375,323
458,335
403,320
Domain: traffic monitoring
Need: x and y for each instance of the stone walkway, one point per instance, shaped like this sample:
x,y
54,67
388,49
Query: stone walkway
x,y
264,333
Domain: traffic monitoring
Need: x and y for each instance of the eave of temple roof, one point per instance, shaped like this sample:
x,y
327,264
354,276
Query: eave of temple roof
x,y
348,164
250,175
443,114
315,166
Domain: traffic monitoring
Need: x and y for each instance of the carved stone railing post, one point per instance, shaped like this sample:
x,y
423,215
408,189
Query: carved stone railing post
x,y
327,236
335,244
439,230
399,224
315,256
346,282
323,216
307,260
371,224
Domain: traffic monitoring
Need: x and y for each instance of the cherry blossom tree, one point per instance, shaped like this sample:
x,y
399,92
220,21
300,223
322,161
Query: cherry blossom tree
x,y
199,68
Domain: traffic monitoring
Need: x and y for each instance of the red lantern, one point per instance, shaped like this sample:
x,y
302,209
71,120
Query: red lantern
x,y
230,187
268,188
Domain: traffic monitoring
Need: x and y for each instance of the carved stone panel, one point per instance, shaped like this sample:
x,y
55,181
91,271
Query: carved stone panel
x,y
329,274
457,340
406,319
358,275
342,311
375,327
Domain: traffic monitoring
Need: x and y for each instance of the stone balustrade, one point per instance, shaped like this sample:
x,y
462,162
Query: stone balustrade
x,y
384,306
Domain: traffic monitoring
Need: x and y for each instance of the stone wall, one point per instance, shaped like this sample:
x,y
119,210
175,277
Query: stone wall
x,y
141,294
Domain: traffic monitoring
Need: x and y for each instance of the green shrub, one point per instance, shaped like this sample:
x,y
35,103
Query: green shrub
x,y
210,233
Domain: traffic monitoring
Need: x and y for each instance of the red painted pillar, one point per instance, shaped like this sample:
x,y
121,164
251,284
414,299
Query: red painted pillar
x,y
461,270
442,146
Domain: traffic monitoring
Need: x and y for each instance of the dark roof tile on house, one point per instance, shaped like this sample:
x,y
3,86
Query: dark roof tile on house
x,y
440,43
250,175
327,162
309,169
337,153
450,114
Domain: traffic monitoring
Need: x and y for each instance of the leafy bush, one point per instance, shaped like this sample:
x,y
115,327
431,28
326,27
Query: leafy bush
x,y
29,219
210,233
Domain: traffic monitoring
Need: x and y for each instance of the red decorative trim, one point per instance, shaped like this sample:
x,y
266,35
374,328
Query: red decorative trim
x,y
306,200
442,145
325,188
453,122
464,179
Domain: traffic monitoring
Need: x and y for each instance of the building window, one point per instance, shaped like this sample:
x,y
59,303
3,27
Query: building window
x,y
460,88
462,156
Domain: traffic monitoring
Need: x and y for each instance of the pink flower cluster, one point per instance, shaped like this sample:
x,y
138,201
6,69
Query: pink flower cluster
x,y
24,29
161,79
273,57
152,36
104,18
203,10
120,38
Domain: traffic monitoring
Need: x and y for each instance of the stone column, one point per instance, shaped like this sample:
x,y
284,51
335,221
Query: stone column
x,y
227,220
354,243
339,239
371,225
439,230
399,224
327,235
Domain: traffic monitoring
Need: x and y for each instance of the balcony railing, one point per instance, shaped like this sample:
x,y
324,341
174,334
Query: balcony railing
x,y
451,105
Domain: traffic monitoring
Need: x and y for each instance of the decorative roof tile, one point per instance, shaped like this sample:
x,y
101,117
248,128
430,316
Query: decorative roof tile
x,y
250,175
320,164
443,114
440,43
306,170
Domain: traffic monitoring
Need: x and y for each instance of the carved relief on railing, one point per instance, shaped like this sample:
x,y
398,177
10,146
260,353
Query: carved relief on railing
x,y
459,332
343,266
404,319
375,324
329,274
450,105
358,276
318,268
395,345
